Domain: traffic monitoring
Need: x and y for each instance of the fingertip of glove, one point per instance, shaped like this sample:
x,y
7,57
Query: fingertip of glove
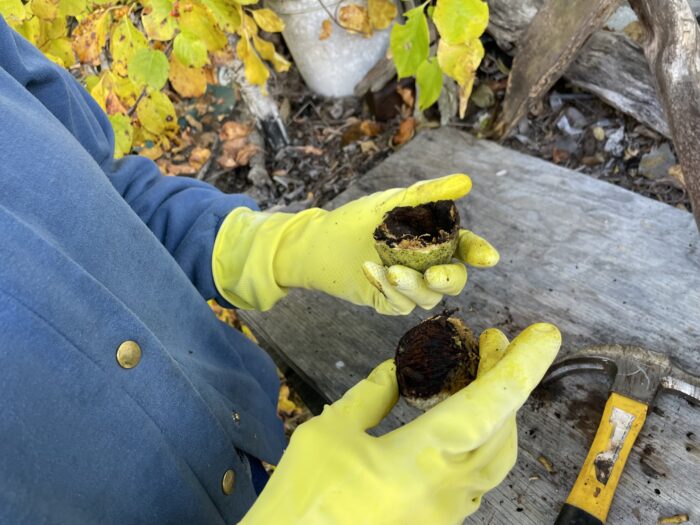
x,y
477,251
384,374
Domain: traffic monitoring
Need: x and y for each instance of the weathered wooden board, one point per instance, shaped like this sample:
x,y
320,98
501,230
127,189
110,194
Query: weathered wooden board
x,y
610,64
604,264
552,40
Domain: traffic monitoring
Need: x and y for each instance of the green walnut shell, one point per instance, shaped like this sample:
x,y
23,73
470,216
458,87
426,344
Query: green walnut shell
x,y
418,236
436,359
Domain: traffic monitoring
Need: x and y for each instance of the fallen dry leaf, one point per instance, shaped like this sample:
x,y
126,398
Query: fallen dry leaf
x,y
284,404
198,157
355,17
368,146
310,150
326,29
234,130
370,128
406,95
236,152
245,154
676,173
407,129
114,105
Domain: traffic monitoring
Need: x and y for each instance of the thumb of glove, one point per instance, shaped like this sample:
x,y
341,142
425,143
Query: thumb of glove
x,y
370,400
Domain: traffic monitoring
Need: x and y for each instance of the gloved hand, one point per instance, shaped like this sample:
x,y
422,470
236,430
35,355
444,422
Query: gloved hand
x,y
433,470
257,256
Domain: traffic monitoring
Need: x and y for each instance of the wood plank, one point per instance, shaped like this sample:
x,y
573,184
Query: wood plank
x,y
551,42
602,263
610,65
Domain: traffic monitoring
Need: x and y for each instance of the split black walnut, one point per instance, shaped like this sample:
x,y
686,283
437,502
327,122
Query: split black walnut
x,y
435,359
418,236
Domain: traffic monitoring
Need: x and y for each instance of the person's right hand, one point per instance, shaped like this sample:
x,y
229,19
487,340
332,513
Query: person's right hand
x,y
433,470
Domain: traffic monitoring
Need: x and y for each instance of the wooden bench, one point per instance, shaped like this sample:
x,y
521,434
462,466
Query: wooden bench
x,y
602,263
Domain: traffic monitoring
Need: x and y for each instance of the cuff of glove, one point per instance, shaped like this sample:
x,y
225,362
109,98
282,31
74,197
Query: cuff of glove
x,y
243,256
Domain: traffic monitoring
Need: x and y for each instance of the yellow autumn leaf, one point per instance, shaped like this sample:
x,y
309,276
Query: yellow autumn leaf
x,y
62,49
157,21
76,8
460,61
126,40
123,134
45,9
196,19
355,18
53,29
102,88
14,11
255,70
280,63
264,47
187,81
381,13
90,36
268,20
157,114
228,14
126,90
461,21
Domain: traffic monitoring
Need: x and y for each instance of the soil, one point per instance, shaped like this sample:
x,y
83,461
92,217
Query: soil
x,y
329,147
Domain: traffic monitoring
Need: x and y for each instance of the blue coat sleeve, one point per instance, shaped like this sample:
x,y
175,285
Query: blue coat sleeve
x,y
184,214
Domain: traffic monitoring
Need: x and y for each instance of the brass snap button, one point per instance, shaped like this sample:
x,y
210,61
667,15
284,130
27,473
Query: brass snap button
x,y
128,354
228,481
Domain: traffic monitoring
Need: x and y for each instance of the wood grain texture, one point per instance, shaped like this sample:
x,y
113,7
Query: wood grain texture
x,y
610,65
550,43
602,263
672,47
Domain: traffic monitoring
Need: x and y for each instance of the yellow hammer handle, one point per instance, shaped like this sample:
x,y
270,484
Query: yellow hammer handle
x,y
595,486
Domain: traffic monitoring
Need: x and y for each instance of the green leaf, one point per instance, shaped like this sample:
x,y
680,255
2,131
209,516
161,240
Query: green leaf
x,y
410,42
123,134
199,21
246,2
429,81
149,68
157,114
226,13
190,50
126,40
459,21
157,22
268,21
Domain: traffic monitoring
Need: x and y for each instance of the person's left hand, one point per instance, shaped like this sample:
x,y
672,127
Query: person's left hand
x,y
257,256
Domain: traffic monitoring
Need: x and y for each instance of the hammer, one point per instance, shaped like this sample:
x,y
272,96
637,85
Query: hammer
x,y
637,375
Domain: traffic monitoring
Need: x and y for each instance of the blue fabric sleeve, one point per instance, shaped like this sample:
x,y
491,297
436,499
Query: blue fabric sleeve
x,y
184,214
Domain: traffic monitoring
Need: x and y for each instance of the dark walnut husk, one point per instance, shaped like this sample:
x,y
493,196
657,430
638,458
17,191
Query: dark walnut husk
x,y
418,236
435,359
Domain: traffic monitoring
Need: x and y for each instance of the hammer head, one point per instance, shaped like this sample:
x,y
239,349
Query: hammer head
x,y
637,372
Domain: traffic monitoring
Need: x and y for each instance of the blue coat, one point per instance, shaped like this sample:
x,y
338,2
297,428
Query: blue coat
x,y
96,252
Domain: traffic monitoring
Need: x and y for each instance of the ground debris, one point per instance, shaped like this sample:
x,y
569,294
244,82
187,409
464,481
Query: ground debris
x,y
677,518
547,464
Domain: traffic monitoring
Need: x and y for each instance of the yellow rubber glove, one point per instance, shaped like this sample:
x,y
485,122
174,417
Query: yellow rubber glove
x,y
258,256
433,470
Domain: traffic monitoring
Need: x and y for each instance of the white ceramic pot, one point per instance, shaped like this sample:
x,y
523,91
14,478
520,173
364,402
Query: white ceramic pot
x,y
330,67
